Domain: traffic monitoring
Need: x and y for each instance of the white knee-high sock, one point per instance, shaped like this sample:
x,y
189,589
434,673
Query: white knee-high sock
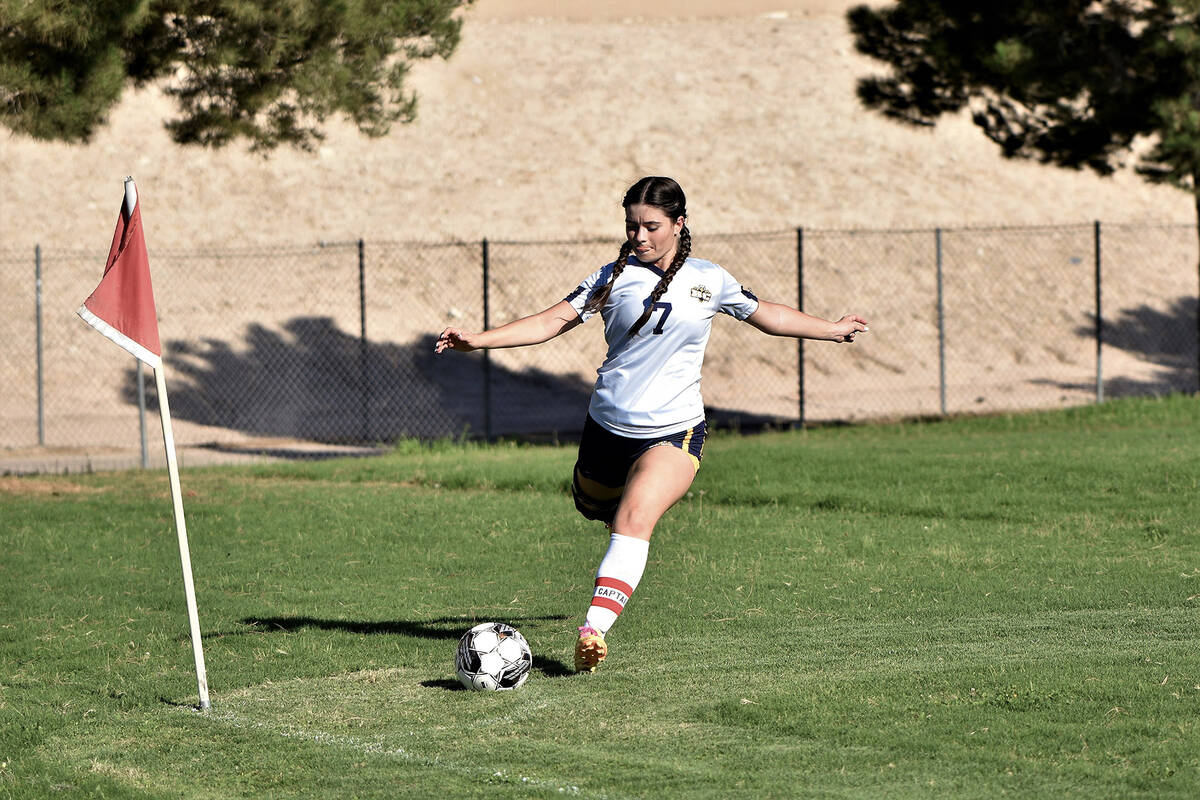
x,y
616,578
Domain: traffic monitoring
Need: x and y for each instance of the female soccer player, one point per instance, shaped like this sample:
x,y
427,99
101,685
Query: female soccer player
x,y
644,433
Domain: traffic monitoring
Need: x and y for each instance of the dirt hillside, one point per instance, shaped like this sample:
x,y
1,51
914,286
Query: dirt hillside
x,y
546,112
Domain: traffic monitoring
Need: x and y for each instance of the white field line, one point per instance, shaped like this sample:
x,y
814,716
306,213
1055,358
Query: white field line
x,y
231,718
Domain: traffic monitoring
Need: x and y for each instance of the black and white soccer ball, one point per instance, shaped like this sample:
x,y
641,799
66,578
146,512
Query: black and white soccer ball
x,y
493,656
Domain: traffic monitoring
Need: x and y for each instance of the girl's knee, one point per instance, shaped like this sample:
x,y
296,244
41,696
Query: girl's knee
x,y
634,521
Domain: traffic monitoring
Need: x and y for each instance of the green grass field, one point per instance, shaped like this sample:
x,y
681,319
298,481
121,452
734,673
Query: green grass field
x,y
989,607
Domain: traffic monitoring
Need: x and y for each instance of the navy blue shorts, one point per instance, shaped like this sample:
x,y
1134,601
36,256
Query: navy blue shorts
x,y
605,459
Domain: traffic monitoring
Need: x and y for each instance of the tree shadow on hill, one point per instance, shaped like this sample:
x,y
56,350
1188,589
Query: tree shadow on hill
x,y
313,381
1166,339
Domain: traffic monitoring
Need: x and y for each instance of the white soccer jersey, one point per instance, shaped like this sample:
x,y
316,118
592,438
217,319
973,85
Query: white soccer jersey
x,y
649,384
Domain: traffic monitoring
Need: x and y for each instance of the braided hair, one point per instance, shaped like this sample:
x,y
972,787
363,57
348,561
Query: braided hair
x,y
682,251
600,296
667,196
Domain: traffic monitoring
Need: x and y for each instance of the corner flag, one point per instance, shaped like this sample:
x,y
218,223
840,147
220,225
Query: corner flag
x,y
122,308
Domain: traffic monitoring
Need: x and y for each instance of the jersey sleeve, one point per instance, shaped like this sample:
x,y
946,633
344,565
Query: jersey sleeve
x,y
583,292
736,300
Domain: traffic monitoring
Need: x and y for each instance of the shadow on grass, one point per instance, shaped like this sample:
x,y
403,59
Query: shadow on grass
x,y
552,667
549,667
167,701
438,628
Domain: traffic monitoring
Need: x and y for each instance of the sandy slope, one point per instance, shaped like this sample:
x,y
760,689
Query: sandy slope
x,y
544,115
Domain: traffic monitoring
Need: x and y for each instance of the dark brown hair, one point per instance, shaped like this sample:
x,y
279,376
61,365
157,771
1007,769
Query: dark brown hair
x,y
667,196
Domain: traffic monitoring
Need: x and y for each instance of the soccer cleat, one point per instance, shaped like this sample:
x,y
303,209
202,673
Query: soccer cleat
x,y
590,649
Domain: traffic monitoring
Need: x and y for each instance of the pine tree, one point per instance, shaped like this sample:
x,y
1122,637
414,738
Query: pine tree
x,y
1074,83
1069,82
269,72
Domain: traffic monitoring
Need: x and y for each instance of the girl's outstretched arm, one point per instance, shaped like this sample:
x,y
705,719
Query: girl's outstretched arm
x,y
534,329
780,320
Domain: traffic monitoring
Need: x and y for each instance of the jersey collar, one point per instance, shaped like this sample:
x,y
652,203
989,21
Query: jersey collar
x,y
633,261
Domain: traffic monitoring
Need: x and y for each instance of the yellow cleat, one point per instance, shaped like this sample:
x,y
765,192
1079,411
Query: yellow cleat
x,y
590,650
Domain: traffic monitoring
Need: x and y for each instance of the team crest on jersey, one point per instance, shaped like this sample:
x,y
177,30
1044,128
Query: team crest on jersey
x,y
701,293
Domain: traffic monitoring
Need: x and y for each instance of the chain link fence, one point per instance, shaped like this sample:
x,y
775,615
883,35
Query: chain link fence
x,y
294,349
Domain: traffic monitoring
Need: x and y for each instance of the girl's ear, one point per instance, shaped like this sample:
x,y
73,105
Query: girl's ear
x,y
678,225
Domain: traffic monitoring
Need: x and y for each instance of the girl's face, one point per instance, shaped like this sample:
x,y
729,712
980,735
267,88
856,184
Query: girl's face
x,y
652,233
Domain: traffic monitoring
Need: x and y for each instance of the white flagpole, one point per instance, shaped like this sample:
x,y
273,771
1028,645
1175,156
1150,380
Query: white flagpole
x,y
185,557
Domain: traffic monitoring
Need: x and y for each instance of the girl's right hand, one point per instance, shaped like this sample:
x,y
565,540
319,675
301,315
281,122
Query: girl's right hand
x,y
849,325
455,339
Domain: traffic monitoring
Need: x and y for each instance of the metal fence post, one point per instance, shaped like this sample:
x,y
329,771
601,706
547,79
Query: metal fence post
x,y
1099,322
363,360
800,306
487,361
41,384
941,322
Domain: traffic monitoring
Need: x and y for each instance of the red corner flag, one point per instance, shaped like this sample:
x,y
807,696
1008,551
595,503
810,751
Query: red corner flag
x,y
122,307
